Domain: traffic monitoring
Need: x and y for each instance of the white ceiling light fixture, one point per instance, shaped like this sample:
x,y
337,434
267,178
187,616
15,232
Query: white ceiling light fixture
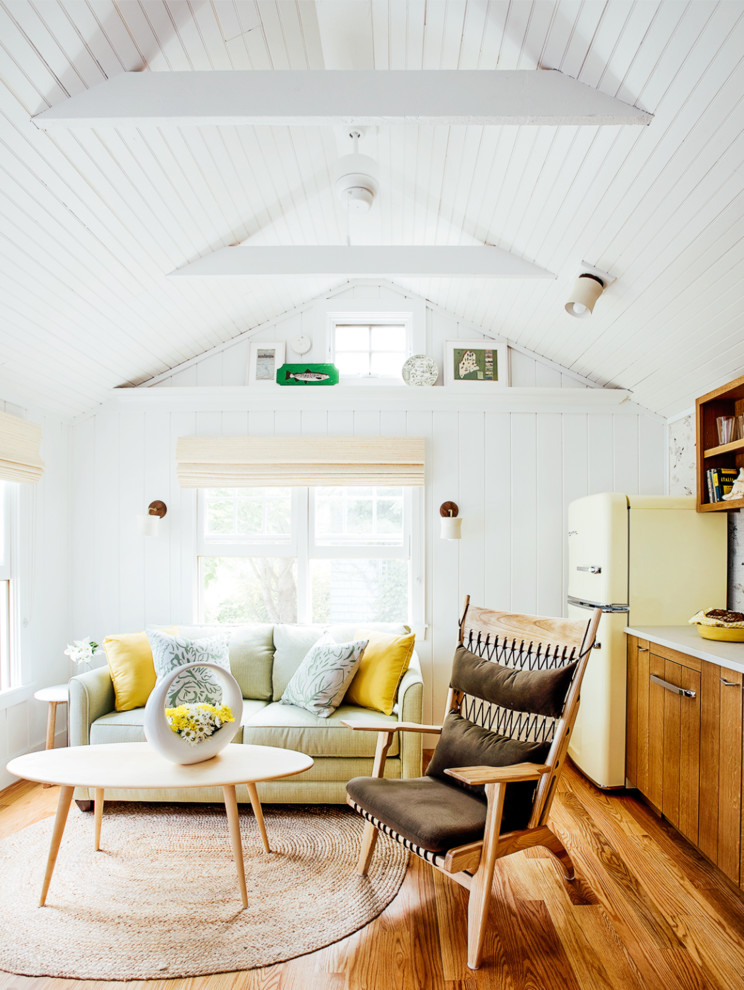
x,y
587,289
356,178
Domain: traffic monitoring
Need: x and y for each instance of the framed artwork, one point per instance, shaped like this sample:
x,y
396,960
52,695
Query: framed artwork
x,y
307,374
468,362
264,360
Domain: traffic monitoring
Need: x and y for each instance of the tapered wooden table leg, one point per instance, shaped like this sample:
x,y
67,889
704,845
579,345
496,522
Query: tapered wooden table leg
x,y
233,820
258,812
51,724
99,816
63,807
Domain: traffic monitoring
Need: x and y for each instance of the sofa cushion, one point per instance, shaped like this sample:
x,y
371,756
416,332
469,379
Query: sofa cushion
x,y
196,684
385,660
291,645
129,657
251,655
321,680
295,728
129,726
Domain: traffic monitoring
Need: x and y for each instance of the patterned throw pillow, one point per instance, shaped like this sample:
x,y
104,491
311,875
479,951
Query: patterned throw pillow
x,y
320,682
193,686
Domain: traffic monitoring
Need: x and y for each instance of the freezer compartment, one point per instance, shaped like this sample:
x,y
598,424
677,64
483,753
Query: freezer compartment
x,y
598,548
598,741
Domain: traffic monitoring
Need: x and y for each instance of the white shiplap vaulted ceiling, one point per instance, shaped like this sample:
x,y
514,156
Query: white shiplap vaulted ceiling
x,y
93,219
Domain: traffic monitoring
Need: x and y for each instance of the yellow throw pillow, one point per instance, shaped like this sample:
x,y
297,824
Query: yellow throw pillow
x,y
383,664
132,671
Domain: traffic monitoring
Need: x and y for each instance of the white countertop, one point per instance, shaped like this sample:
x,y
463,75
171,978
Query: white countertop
x,y
686,639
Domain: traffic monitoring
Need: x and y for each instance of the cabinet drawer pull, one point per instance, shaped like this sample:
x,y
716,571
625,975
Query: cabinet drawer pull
x,y
643,649
668,686
730,683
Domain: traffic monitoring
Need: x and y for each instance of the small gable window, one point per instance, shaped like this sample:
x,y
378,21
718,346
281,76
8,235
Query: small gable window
x,y
373,351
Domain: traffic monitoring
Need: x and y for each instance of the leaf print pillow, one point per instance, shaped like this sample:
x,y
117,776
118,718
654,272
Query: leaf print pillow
x,y
193,686
320,682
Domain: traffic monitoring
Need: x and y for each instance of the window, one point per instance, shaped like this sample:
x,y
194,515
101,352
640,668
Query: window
x,y
370,350
7,671
330,554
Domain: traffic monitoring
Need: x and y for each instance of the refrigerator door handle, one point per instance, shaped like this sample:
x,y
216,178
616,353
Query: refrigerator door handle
x,y
605,606
668,686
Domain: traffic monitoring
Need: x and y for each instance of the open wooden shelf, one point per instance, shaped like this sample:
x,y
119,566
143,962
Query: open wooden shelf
x,y
724,448
725,401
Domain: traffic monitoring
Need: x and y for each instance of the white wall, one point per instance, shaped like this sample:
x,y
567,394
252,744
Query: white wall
x,y
512,461
41,545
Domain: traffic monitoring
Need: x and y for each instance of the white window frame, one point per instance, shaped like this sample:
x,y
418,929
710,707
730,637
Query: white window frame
x,y
301,546
10,675
414,321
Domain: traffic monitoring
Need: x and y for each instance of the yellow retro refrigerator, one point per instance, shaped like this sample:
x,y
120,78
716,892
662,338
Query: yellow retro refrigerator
x,y
645,560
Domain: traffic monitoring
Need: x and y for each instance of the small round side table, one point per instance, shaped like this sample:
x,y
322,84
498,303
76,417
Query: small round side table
x,y
58,694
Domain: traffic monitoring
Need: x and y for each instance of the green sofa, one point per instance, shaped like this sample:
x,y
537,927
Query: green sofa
x,y
262,660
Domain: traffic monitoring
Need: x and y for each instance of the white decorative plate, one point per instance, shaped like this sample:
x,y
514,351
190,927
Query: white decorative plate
x,y
419,369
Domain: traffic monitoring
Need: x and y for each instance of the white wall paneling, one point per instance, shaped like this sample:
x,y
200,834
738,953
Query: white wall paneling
x,y
512,471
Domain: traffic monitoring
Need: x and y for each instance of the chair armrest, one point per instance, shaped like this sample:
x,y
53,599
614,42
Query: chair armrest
x,y
398,727
498,775
91,695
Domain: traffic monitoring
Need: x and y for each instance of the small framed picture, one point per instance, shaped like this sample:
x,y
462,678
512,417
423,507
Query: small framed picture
x,y
263,362
476,361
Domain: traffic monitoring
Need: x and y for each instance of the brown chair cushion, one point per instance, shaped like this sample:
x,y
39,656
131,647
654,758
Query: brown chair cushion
x,y
542,692
427,812
464,744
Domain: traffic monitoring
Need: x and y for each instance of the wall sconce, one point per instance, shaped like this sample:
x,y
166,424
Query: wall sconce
x,y
450,523
150,524
587,289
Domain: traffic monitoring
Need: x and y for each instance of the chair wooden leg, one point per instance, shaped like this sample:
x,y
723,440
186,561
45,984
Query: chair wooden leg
x,y
369,841
554,845
480,888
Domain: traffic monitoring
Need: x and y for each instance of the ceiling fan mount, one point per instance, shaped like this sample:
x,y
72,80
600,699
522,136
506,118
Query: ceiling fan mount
x,y
356,182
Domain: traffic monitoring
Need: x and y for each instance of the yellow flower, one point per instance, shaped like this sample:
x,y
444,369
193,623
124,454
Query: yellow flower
x,y
197,722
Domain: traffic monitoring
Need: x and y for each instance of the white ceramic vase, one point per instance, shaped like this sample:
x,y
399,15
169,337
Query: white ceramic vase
x,y
173,746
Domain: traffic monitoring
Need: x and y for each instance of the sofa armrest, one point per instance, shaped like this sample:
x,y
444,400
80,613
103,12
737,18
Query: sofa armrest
x,y
410,705
410,708
91,695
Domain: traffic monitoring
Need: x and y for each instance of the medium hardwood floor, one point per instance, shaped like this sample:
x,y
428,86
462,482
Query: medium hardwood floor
x,y
647,912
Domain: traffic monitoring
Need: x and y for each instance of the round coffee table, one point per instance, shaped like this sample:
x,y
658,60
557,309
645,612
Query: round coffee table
x,y
138,765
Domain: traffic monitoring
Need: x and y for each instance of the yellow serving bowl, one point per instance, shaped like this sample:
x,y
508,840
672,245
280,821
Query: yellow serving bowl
x,y
726,633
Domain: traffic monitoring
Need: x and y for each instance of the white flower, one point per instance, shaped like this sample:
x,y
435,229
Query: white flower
x,y
81,650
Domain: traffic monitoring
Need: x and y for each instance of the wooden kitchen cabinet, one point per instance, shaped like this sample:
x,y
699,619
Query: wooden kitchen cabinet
x,y
728,400
684,747
720,834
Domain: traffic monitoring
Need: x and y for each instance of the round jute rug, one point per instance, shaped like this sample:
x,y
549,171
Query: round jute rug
x,y
161,898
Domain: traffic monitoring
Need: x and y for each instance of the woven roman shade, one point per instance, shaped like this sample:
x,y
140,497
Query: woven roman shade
x,y
248,462
20,441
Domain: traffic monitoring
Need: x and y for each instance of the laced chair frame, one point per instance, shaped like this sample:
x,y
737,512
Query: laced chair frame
x,y
525,642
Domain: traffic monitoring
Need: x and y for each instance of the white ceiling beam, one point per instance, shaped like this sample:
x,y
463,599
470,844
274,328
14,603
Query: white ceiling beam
x,y
341,97
362,261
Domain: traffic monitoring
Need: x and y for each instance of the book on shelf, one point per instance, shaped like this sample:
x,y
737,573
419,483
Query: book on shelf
x,y
719,482
728,477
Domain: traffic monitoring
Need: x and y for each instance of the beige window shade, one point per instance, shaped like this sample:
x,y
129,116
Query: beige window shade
x,y
246,462
20,442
